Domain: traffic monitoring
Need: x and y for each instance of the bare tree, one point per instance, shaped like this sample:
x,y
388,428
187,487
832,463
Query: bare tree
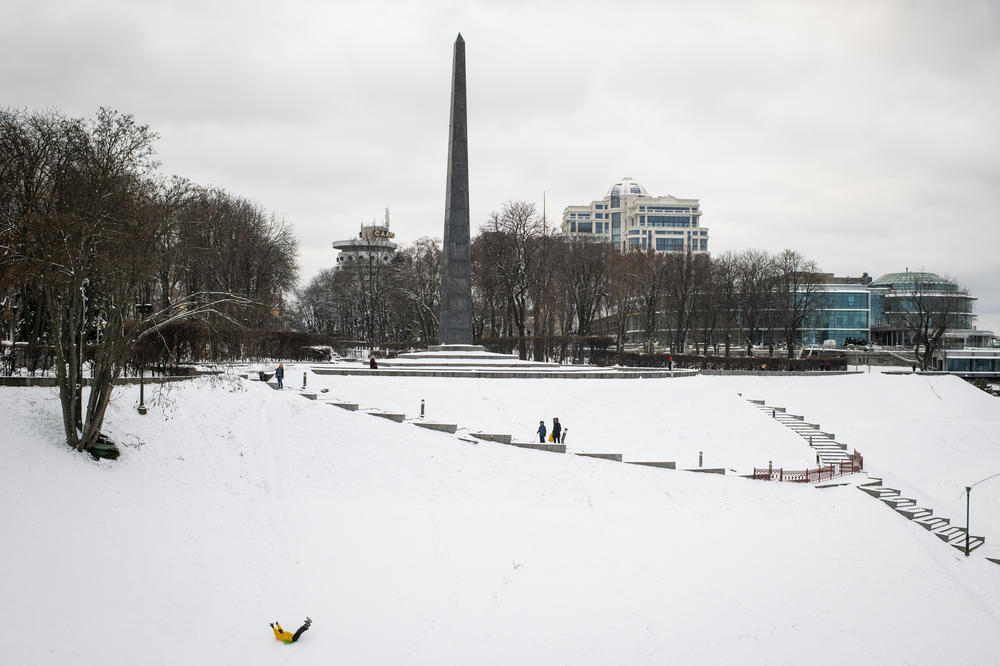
x,y
624,292
755,283
585,267
510,241
926,309
797,295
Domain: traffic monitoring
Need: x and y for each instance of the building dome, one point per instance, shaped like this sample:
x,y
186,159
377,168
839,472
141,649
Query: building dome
x,y
627,186
910,280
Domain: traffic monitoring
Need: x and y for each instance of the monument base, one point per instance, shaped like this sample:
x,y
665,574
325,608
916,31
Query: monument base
x,y
456,348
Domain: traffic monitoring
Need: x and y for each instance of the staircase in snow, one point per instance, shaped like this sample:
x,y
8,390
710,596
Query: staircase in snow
x,y
830,451
938,526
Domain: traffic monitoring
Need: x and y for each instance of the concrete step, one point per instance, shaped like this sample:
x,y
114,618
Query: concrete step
x,y
617,457
449,428
913,512
974,542
398,418
349,406
896,501
931,522
309,396
878,491
872,481
708,470
665,465
948,533
538,446
492,437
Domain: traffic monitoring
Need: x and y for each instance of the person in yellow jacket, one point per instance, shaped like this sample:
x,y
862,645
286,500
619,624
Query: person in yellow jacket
x,y
286,637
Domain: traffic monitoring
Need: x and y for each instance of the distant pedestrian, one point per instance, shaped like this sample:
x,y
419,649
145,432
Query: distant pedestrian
x,y
541,431
279,374
556,430
372,364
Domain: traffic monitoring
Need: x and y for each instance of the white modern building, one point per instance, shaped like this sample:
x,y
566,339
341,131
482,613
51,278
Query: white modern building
x,y
373,243
630,218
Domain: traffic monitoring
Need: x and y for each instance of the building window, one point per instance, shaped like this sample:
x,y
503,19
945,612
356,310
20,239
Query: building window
x,y
670,244
633,242
668,221
585,227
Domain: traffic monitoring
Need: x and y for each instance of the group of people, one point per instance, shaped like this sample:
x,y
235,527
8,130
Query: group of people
x,y
558,432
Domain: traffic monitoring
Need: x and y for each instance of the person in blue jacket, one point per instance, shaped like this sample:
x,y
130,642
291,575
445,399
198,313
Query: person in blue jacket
x,y
541,431
279,375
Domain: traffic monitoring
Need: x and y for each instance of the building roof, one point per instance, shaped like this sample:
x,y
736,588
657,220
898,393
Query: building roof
x,y
910,279
627,186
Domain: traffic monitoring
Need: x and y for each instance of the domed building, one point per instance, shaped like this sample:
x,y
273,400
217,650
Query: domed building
x,y
630,218
899,299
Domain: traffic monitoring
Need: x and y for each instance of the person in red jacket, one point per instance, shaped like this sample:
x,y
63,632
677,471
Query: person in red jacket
x,y
286,637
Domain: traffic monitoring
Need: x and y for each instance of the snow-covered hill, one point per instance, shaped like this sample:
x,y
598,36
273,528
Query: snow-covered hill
x,y
234,505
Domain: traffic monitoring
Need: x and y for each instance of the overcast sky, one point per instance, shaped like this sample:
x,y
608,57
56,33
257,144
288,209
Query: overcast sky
x,y
862,134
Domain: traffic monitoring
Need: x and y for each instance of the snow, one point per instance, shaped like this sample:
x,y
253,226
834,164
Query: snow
x,y
233,505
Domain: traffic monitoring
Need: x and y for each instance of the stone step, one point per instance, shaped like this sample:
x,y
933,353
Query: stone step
x,y
931,522
872,481
450,428
617,457
913,512
664,465
708,470
398,418
349,406
974,542
878,491
897,501
309,396
538,446
492,437
948,533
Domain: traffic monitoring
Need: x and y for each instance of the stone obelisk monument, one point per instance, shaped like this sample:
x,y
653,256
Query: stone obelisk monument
x,y
456,283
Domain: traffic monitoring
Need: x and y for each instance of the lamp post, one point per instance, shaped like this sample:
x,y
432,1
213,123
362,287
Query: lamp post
x,y
968,492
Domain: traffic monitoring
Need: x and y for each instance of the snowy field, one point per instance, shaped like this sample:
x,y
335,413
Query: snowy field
x,y
233,505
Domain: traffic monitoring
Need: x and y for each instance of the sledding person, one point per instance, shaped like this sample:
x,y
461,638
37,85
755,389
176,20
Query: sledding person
x,y
541,431
556,430
279,375
286,637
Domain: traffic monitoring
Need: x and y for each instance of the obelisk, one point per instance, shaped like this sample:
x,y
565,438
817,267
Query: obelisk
x,y
456,282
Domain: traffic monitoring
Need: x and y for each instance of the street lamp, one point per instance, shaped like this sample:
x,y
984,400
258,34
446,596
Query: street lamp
x,y
968,490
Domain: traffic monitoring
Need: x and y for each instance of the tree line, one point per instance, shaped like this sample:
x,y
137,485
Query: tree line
x,y
99,251
529,284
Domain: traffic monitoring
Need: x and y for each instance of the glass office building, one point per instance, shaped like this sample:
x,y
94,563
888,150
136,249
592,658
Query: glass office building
x,y
630,218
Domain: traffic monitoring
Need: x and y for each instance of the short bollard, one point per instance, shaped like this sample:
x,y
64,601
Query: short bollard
x,y
303,380
699,459
421,408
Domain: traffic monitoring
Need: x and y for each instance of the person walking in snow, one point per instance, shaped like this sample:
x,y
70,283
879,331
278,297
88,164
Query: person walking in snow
x,y
286,637
372,363
541,431
279,375
556,430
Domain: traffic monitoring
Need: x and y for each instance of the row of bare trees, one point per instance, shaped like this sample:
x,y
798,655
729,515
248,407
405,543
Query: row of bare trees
x,y
98,251
377,298
528,282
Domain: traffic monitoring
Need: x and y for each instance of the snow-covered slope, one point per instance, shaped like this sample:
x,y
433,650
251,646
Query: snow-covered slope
x,y
234,505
